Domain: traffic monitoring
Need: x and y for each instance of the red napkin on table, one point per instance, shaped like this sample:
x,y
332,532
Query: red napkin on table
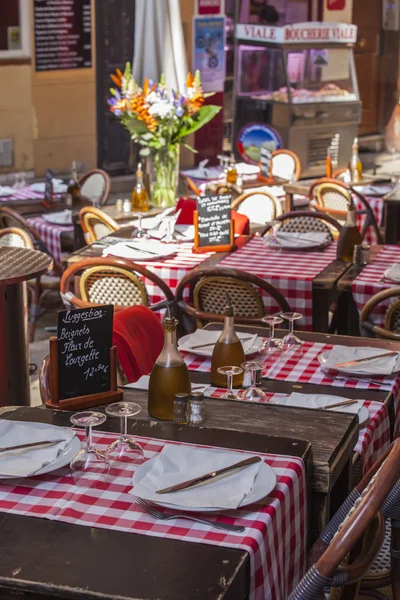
x,y
187,206
139,338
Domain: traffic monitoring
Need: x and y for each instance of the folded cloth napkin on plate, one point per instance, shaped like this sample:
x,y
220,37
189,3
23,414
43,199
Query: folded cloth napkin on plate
x,y
5,190
377,366
153,222
317,401
377,190
142,250
176,464
143,384
295,239
393,272
26,462
204,336
63,217
182,232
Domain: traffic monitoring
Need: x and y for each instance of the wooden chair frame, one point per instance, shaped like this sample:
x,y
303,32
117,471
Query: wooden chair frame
x,y
89,213
190,184
120,263
118,271
194,276
107,188
367,324
24,235
306,213
228,188
296,159
277,205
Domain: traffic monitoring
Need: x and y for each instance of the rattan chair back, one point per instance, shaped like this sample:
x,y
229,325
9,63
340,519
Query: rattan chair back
x,y
391,329
286,165
96,185
258,206
96,224
16,237
303,221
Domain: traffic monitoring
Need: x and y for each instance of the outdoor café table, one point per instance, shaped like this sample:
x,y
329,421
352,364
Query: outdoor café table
x,y
84,544
307,279
55,237
17,265
27,201
376,203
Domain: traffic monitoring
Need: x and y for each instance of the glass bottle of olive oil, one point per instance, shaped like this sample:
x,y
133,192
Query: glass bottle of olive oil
x,y
227,351
140,197
349,235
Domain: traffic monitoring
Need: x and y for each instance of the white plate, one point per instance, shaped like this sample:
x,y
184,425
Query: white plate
x,y
120,249
59,218
245,169
208,351
63,459
263,485
393,273
323,357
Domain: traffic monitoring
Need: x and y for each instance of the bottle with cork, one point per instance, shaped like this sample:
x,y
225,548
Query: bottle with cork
x,y
349,235
356,168
228,350
140,197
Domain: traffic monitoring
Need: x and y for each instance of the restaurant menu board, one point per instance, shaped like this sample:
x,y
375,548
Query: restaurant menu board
x,y
265,162
84,340
214,220
63,34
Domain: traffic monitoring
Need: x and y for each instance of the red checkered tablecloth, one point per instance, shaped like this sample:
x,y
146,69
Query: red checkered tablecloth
x,y
276,528
369,282
292,273
373,439
25,193
51,234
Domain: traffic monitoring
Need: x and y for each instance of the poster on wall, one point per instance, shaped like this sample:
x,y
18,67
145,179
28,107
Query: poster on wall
x,y
255,136
63,35
209,52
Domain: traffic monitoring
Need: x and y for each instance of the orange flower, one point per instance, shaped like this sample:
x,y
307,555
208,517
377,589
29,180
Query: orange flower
x,y
140,108
195,103
189,80
117,79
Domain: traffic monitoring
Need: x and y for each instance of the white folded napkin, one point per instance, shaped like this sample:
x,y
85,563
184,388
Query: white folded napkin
x,y
377,190
393,272
139,249
378,366
317,401
246,169
201,172
26,462
6,190
143,384
295,239
176,464
204,336
153,222
63,217
182,232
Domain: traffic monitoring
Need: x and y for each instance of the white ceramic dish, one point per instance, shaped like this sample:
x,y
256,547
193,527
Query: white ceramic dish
x,y
323,357
59,218
263,485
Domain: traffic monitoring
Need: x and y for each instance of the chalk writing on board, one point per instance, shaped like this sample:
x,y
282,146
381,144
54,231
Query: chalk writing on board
x,y
214,220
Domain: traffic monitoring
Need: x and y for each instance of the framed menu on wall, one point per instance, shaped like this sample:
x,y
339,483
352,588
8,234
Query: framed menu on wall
x,y
63,34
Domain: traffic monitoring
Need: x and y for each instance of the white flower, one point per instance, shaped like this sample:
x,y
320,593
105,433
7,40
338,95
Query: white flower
x,y
161,109
152,98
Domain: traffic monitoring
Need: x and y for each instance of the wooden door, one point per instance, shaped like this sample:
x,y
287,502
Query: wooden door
x,y
115,21
368,18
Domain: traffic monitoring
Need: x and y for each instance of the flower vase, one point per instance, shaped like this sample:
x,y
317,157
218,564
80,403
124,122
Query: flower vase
x,y
166,172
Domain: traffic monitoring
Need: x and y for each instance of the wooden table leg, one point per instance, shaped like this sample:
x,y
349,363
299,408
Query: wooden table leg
x,y
288,202
392,222
14,347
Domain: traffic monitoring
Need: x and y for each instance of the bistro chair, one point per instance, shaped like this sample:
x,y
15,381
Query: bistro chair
x,y
258,206
339,174
286,165
96,224
391,329
190,186
96,185
225,188
16,231
114,281
303,221
208,289
379,490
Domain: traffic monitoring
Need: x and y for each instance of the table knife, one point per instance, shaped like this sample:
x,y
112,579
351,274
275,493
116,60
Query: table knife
x,y
192,482
31,445
362,360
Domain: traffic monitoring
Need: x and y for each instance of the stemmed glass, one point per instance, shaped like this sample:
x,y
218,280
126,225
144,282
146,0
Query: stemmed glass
x,y
90,463
290,340
271,239
272,344
125,448
230,372
251,368
139,232
17,178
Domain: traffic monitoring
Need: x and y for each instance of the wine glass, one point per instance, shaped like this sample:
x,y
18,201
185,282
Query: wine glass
x,y
251,368
125,448
90,464
230,372
271,239
139,232
272,344
290,340
16,181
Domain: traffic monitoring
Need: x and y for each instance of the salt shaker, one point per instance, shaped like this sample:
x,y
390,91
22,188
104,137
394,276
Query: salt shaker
x,y
127,205
119,205
197,407
181,408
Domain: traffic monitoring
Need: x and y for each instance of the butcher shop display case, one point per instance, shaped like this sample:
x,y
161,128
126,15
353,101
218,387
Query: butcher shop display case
x,y
296,88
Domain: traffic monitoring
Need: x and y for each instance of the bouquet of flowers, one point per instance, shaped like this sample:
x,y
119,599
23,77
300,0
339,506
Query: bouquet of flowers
x,y
159,120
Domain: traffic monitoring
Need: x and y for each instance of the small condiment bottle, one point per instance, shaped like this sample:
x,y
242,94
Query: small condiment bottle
x,y
181,408
231,173
197,407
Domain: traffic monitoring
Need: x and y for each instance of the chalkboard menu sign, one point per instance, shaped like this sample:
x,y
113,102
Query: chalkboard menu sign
x,y
63,34
266,163
213,224
84,339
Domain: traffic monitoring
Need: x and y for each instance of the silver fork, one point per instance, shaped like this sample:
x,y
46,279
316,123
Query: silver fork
x,y
157,514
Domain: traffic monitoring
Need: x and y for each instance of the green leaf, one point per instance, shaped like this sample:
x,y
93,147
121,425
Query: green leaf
x,y
136,127
190,148
201,118
144,152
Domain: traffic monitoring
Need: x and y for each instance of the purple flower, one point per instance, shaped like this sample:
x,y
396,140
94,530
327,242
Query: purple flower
x,y
180,111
